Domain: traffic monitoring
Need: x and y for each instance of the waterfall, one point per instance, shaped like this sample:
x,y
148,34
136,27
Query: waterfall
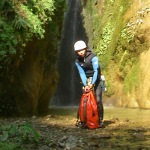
x,y
68,91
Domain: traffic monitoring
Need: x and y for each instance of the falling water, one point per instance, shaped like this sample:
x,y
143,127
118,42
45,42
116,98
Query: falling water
x,y
68,91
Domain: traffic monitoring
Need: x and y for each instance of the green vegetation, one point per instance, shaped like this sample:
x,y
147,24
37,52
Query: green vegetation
x,y
106,27
117,40
131,79
20,22
29,38
14,135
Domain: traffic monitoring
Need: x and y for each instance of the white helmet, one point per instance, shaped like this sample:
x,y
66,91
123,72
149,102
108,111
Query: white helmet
x,y
79,45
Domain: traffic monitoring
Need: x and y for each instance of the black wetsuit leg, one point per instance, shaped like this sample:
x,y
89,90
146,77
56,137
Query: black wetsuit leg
x,y
98,96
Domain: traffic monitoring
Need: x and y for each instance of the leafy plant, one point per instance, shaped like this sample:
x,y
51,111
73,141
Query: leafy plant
x,y
20,21
23,132
102,46
28,133
9,146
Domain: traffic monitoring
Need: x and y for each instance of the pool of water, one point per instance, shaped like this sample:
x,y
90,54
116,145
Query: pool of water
x,y
137,114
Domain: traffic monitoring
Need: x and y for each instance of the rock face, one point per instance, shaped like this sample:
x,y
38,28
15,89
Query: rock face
x,y
28,85
28,82
37,77
120,37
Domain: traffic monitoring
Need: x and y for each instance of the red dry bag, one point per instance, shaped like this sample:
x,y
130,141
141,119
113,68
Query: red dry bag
x,y
87,116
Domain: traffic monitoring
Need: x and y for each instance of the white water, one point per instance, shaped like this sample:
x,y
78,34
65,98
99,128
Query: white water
x,y
69,88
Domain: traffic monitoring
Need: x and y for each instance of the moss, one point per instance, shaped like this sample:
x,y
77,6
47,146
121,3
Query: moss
x,y
131,79
27,85
116,36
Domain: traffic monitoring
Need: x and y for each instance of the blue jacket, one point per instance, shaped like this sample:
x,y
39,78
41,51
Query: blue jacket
x,y
88,67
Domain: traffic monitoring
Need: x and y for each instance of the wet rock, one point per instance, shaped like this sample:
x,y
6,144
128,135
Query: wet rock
x,y
68,142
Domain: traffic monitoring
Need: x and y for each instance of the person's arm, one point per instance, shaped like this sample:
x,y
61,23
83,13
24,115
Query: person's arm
x,y
95,65
82,73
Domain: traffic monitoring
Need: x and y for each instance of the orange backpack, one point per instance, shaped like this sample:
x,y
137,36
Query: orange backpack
x,y
87,116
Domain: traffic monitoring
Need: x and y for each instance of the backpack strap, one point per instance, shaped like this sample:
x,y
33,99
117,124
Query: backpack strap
x,y
84,108
83,103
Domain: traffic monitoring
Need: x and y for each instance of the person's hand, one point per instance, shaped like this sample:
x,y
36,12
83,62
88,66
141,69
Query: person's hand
x,y
90,86
86,88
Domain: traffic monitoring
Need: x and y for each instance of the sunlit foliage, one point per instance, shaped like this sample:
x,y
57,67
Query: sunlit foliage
x,y
20,21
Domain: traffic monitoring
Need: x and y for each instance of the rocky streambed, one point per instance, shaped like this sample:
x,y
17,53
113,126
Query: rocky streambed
x,y
126,129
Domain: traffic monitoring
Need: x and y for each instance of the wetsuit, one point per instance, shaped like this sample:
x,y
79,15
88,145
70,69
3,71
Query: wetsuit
x,y
89,67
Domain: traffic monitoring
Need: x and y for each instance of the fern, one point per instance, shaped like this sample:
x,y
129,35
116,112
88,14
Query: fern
x,y
19,22
23,132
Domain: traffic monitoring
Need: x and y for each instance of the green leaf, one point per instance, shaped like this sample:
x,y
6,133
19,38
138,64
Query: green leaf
x,y
4,136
